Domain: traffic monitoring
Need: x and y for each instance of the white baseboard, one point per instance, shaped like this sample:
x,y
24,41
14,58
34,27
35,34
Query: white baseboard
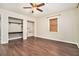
x,y
15,38
4,42
78,45
58,40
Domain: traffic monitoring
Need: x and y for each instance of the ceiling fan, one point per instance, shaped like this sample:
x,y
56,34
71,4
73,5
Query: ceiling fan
x,y
35,6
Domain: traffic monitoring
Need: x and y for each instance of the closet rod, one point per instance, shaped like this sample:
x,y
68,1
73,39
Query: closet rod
x,y
15,23
14,32
15,18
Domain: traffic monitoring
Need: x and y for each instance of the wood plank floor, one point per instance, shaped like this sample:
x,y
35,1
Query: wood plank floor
x,y
38,47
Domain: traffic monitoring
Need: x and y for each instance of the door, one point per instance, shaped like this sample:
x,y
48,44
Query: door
x,y
30,28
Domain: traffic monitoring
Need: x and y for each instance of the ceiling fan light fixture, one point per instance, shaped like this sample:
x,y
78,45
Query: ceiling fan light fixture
x,y
34,8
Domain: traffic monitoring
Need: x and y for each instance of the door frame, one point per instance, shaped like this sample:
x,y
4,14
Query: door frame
x,y
33,27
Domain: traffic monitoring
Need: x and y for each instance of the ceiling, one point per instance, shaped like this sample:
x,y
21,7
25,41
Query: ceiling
x,y
47,8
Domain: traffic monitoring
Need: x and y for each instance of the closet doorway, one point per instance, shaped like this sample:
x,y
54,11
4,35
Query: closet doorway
x,y
30,29
15,28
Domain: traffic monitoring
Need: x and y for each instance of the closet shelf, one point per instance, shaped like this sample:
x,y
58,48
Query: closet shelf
x,y
15,23
14,32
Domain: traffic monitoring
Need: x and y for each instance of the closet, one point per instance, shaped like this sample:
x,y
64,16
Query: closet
x,y
15,28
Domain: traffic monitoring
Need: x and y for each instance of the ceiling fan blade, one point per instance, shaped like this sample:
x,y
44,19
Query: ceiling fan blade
x,y
27,7
31,4
40,10
42,4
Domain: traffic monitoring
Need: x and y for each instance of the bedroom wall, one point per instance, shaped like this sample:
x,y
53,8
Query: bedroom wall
x,y
78,27
4,24
67,27
0,27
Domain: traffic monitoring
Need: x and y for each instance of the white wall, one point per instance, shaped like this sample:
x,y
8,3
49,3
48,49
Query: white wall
x,y
67,24
4,24
0,27
78,27
4,28
67,27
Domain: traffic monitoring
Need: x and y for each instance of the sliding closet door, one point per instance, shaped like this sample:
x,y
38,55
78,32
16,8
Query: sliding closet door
x,y
30,28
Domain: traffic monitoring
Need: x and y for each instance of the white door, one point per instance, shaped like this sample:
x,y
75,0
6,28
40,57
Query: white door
x,y
30,28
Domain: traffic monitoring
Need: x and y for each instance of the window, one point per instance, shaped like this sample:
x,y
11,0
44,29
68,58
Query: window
x,y
53,25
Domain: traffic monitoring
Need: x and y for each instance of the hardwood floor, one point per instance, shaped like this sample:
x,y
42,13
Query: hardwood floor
x,y
38,47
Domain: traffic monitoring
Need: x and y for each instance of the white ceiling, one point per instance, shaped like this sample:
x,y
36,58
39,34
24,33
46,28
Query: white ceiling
x,y
47,8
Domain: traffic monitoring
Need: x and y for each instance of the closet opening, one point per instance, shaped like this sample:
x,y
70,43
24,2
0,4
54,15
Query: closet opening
x,y
30,29
15,28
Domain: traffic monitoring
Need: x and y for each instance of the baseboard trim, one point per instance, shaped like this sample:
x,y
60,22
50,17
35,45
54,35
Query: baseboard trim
x,y
4,42
30,36
58,40
78,45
